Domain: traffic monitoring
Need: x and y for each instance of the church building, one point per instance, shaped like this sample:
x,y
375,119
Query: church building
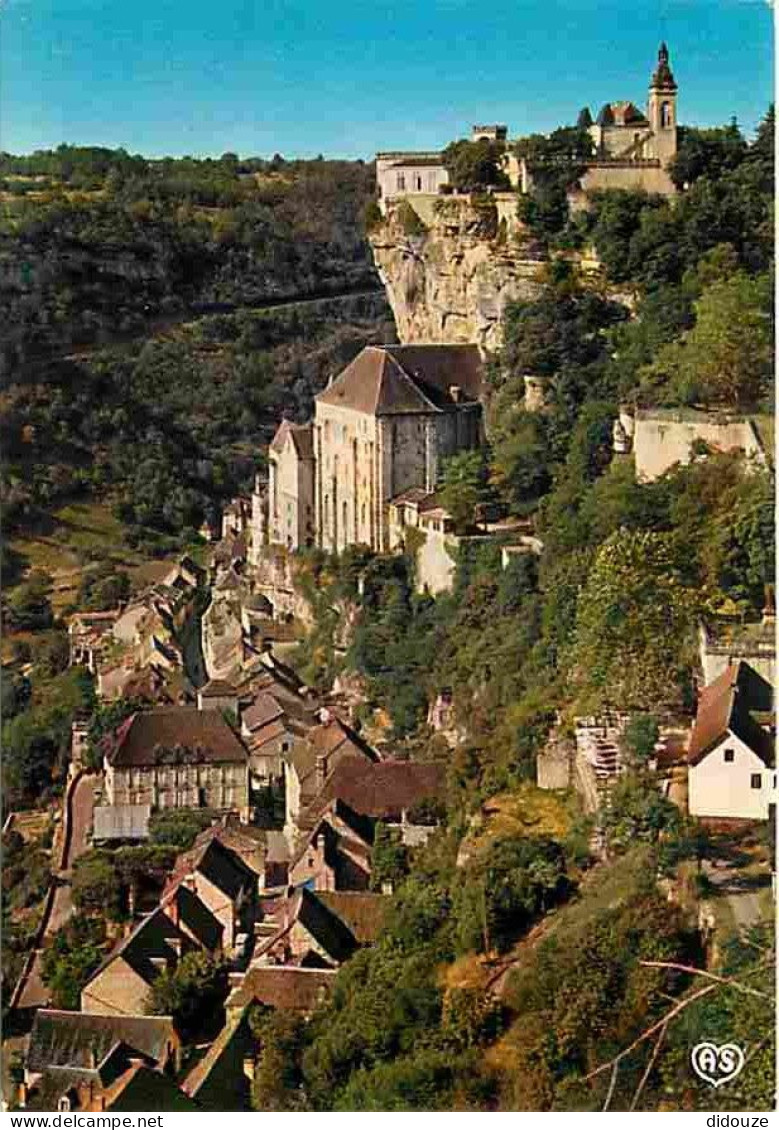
x,y
382,426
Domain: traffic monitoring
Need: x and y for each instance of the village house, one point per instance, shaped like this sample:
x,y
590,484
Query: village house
x,y
323,929
731,757
177,757
223,884
381,427
88,1062
121,983
288,988
311,760
336,854
407,796
268,736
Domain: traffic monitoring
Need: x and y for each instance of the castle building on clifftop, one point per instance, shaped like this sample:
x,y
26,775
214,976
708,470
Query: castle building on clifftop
x,y
381,427
631,150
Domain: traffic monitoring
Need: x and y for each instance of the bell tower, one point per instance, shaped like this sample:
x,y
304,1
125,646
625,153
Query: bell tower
x,y
661,109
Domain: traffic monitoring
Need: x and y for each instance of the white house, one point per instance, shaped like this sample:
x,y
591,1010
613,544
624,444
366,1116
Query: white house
x,y
732,771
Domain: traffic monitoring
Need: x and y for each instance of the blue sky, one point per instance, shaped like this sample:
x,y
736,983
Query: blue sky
x,y
347,77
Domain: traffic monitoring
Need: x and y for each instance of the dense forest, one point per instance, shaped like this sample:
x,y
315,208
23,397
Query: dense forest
x,y
144,353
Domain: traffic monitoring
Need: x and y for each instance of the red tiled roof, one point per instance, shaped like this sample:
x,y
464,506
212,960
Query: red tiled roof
x,y
264,709
725,706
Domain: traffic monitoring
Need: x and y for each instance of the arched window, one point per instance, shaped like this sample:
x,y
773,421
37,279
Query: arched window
x,y
665,115
345,519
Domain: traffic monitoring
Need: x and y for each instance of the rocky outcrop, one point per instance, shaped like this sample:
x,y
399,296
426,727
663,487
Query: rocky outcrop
x,y
451,282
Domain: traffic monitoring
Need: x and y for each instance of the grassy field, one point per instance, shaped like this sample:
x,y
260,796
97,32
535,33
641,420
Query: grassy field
x,y
79,535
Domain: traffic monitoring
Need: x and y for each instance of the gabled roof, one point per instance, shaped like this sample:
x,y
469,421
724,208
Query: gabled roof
x,y
264,709
386,788
155,943
727,706
326,927
142,1090
288,987
216,862
80,1040
150,737
362,912
407,379
302,436
218,688
188,910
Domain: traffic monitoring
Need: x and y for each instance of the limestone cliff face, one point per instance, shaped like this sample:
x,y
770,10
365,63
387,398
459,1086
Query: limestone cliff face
x,y
452,282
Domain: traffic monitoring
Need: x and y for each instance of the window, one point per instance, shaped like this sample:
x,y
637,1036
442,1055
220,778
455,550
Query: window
x,y
401,182
419,184
757,780
665,115
730,755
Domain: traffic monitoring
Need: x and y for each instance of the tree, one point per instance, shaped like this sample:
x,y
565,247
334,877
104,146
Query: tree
x,y
278,1075
192,993
179,827
464,485
640,738
96,888
727,356
29,607
634,617
475,164
70,958
389,858
706,152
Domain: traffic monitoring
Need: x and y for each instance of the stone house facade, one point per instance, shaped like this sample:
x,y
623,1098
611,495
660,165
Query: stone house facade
x,y
177,757
382,426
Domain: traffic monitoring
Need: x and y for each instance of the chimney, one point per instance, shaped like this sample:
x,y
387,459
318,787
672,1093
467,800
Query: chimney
x,y
321,770
248,1067
319,844
456,393
174,909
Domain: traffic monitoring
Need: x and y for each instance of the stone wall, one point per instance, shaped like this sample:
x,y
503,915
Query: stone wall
x,y
663,438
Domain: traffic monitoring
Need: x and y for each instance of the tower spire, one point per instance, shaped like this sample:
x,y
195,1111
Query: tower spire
x,y
663,79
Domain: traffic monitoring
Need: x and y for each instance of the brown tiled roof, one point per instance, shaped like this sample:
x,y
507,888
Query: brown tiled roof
x,y
727,705
361,911
218,863
266,734
200,735
217,688
302,436
332,740
406,379
264,709
385,789
288,987
189,910
69,1039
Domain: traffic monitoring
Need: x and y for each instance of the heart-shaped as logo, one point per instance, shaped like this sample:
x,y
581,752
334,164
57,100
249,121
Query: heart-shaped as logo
x,y
717,1065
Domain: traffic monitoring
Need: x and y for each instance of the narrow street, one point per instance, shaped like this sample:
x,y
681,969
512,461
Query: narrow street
x,y
34,993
